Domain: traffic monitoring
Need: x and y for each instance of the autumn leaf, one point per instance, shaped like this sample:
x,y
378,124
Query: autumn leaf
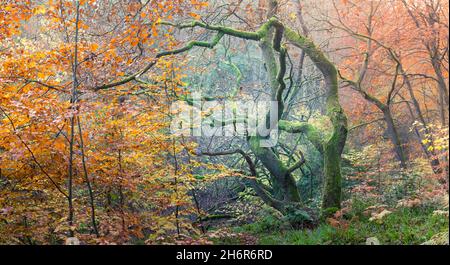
x,y
195,15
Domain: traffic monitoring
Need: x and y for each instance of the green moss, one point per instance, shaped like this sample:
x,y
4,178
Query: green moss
x,y
328,212
311,133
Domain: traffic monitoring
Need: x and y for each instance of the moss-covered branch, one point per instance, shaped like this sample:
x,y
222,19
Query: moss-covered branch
x,y
311,133
226,30
280,80
153,62
298,164
193,44
238,74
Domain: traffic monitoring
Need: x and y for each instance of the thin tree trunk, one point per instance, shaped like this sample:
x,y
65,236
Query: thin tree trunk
x,y
395,138
121,195
72,122
431,155
86,178
177,223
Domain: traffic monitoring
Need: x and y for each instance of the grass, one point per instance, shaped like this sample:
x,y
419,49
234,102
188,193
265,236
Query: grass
x,y
405,226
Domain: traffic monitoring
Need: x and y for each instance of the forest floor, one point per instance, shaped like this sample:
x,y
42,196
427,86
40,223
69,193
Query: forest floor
x,y
362,224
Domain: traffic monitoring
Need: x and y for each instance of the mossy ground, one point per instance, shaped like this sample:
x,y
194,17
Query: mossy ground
x,y
405,226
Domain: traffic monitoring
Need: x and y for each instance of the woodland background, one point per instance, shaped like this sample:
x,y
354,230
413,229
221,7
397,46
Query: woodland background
x,y
87,157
